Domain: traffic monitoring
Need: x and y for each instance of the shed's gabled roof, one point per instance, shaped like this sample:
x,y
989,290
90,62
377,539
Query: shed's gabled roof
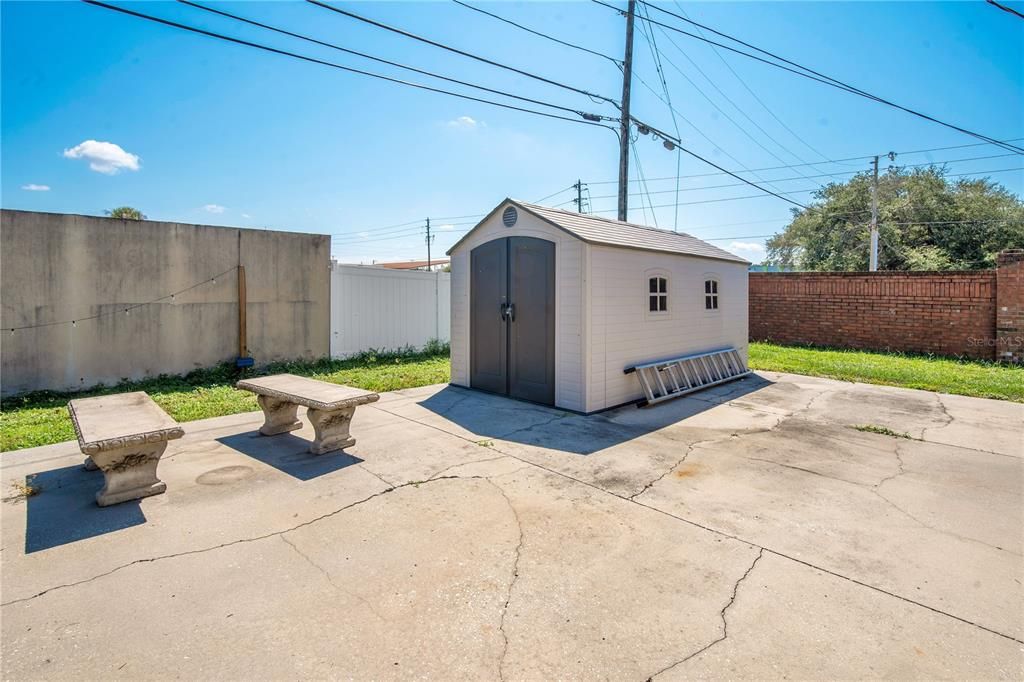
x,y
608,232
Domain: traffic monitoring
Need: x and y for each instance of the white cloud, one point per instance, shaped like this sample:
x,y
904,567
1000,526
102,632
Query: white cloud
x,y
446,228
32,187
363,235
747,247
104,157
213,208
246,216
466,123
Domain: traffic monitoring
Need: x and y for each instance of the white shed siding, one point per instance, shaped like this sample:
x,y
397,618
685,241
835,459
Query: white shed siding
x,y
622,333
569,303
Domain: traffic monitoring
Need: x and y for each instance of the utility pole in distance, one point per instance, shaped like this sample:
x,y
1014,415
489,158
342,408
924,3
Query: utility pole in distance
x,y
579,196
430,239
627,77
873,264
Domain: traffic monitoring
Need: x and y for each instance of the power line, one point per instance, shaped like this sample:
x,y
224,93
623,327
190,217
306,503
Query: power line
x,y
742,179
755,96
703,94
553,194
919,165
805,72
376,59
721,200
740,184
353,238
828,80
362,235
349,69
656,55
643,184
455,50
356,242
387,229
1005,8
735,106
617,62
127,309
699,132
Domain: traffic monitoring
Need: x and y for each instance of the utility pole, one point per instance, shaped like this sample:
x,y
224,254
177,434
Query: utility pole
x,y
627,77
873,265
429,240
579,196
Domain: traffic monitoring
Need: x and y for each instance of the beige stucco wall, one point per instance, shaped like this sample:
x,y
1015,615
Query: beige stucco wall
x,y
56,267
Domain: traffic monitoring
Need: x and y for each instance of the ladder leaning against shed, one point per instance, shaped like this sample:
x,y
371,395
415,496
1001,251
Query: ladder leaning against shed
x,y
666,379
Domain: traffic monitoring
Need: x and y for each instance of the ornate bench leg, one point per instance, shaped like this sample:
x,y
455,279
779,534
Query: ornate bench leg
x,y
279,416
129,472
331,429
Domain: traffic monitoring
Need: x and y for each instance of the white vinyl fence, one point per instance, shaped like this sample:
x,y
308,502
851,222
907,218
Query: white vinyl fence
x,y
381,309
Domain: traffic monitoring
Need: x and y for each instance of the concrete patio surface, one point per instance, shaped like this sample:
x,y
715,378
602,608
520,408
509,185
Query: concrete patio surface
x,y
747,531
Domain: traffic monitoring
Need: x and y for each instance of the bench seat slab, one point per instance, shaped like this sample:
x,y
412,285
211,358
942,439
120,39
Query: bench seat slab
x,y
330,408
123,435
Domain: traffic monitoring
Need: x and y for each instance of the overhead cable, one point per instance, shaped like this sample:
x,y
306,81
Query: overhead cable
x,y
456,50
322,62
805,72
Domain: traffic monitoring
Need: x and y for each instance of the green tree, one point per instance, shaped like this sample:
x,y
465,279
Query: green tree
x,y
126,213
926,222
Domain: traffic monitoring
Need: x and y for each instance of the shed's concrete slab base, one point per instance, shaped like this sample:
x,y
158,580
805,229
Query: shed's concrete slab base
x,y
747,531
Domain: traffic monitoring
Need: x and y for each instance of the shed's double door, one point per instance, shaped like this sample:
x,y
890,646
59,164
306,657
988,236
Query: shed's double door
x,y
512,318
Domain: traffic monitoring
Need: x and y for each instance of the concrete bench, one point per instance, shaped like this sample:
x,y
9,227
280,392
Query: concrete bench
x,y
124,436
330,408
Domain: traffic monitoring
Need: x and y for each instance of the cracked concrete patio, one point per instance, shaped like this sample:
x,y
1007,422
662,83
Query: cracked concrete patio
x,y
745,532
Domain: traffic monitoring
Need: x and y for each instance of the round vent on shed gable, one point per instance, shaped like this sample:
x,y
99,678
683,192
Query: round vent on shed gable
x,y
510,216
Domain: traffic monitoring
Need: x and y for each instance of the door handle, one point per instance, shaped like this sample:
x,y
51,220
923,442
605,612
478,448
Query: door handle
x,y
511,312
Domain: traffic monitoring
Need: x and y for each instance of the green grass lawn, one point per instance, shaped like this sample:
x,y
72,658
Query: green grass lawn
x,y
944,375
42,418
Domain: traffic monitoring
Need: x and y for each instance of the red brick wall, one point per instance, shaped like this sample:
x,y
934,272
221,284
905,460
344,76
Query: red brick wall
x,y
1010,306
946,313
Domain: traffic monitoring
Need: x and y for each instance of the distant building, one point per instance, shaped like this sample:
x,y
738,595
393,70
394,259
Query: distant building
x,y
436,264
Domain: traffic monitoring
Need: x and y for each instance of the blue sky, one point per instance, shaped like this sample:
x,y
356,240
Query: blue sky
x,y
211,132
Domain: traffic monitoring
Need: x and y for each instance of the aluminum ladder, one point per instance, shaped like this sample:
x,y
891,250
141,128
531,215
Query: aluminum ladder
x,y
667,379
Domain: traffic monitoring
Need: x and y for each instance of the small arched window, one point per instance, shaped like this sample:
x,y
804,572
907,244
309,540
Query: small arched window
x,y
711,294
657,289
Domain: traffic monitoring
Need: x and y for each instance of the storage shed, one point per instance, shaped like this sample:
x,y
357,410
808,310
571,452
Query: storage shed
x,y
551,306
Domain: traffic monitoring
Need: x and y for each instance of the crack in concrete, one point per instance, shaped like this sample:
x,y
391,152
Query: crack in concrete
x,y
725,534
455,403
902,470
330,579
802,469
512,581
945,412
463,464
900,467
721,614
362,465
689,448
531,427
257,538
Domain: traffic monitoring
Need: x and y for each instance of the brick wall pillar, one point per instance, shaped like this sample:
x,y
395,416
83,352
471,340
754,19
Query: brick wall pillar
x,y
1010,306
